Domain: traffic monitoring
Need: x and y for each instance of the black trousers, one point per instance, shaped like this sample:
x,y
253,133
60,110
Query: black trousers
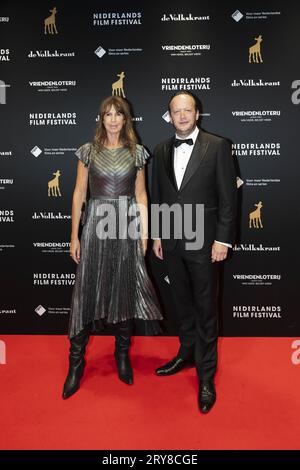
x,y
193,285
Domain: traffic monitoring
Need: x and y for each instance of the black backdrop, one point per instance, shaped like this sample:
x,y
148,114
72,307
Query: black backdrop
x,y
50,89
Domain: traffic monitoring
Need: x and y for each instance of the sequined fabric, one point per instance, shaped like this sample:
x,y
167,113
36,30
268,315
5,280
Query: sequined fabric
x,y
112,284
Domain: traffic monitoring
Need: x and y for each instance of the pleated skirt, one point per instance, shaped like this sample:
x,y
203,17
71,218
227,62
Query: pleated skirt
x,y
112,284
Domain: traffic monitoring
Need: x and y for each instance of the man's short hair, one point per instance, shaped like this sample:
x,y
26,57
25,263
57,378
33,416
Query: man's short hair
x,y
195,98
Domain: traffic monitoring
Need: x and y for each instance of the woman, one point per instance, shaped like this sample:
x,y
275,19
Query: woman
x,y
112,285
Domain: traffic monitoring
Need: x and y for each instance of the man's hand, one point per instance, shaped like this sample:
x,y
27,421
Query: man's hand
x,y
218,252
157,248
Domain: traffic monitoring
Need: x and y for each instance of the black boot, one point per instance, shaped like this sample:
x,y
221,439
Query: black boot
x,y
76,362
123,335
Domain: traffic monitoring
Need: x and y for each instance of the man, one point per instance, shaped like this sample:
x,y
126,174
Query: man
x,y
195,168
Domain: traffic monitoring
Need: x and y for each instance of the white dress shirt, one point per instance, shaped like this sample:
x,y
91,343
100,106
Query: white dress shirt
x,y
182,155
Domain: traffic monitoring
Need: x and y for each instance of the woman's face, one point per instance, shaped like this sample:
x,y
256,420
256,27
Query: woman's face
x,y
113,121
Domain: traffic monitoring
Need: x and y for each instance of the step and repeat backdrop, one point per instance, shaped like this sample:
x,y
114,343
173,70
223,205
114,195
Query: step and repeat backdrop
x,y
59,59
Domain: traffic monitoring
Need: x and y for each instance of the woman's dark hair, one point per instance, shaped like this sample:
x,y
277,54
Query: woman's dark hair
x,y
127,136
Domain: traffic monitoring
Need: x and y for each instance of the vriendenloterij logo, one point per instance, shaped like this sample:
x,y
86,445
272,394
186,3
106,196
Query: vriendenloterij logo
x,y
257,279
256,115
51,247
51,86
185,50
6,181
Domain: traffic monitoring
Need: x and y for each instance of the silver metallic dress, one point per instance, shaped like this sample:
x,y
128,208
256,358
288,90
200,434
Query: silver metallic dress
x,y
112,284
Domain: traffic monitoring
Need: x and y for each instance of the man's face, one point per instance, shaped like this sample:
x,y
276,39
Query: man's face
x,y
183,114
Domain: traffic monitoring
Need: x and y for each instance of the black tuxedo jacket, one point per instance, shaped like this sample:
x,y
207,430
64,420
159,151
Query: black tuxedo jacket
x,y
209,179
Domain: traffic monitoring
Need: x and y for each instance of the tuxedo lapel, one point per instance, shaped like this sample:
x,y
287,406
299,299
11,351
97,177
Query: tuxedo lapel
x,y
168,162
195,160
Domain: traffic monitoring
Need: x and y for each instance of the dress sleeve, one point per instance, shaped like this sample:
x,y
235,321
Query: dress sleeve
x,y
141,157
83,153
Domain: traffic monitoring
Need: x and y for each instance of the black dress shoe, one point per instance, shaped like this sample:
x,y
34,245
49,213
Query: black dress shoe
x,y
207,396
172,367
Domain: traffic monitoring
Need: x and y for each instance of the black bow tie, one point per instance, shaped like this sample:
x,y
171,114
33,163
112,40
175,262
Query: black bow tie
x,y
178,142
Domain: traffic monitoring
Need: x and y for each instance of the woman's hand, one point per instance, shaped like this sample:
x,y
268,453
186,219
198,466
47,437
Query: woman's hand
x,y
145,244
157,248
75,250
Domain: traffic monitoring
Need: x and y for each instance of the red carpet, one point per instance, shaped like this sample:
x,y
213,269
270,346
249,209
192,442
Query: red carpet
x,y
257,398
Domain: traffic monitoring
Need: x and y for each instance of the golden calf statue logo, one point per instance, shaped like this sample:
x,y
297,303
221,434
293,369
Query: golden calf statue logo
x,y
53,185
254,51
117,87
255,217
50,26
